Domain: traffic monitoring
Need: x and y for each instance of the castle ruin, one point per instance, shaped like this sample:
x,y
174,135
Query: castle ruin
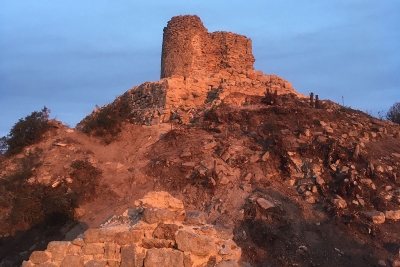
x,y
194,65
190,51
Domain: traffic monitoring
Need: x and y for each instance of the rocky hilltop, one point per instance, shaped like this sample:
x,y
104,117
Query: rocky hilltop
x,y
197,67
216,164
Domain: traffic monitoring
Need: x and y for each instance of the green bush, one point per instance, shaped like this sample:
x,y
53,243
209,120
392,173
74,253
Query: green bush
x,y
394,113
25,132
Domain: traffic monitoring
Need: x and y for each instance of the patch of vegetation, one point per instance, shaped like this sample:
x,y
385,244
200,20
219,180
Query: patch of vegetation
x,y
394,113
344,108
212,95
25,132
33,203
348,109
86,180
270,127
212,116
107,120
270,98
15,193
26,165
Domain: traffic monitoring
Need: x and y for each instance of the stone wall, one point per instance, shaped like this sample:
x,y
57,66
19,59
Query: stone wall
x,y
148,102
186,93
189,50
156,102
156,232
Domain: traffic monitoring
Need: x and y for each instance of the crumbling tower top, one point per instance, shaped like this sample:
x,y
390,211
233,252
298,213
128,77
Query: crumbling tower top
x,y
190,51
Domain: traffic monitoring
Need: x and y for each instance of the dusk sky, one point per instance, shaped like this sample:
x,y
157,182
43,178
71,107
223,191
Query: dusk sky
x,y
71,55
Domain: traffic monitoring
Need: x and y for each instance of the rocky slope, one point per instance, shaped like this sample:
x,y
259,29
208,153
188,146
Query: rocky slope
x,y
297,185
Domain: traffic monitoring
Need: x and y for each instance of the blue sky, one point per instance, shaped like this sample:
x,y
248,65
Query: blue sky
x,y
71,55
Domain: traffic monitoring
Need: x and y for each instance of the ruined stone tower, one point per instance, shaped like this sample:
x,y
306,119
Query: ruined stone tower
x,y
189,50
195,63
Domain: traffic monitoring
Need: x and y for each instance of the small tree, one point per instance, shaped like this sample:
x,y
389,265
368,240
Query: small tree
x,y
394,113
27,131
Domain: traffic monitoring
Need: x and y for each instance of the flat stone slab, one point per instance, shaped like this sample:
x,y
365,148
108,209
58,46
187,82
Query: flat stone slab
x,y
265,204
210,145
189,164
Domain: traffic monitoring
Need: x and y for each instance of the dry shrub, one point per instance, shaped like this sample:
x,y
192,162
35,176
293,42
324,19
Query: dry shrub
x,y
394,113
33,203
107,121
26,132
86,180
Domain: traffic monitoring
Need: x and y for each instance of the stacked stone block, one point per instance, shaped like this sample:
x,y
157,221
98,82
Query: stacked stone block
x,y
190,51
148,102
156,232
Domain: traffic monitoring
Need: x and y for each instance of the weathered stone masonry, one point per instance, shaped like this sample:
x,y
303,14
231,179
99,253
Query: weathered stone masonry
x,y
154,102
189,50
156,232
